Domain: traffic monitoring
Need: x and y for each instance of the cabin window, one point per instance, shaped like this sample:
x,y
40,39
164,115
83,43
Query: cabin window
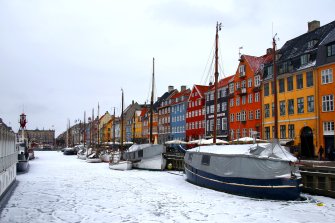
x,y
190,156
205,160
132,155
140,153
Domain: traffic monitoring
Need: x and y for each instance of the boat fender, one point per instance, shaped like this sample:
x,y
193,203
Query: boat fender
x,y
169,166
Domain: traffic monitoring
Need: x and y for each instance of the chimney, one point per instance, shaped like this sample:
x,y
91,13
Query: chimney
x,y
170,88
313,25
182,88
268,51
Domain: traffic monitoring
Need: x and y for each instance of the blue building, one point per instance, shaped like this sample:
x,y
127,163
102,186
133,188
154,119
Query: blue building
x,y
178,114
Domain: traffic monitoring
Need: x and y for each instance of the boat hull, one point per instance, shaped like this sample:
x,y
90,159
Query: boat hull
x,y
275,189
93,160
153,163
122,165
22,166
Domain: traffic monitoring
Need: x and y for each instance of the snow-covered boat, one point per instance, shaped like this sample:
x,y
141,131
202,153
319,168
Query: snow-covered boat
x,y
116,163
264,171
105,156
146,156
83,153
93,158
8,159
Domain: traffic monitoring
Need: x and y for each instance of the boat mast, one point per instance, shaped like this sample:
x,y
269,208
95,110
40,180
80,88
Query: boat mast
x,y
121,138
275,87
84,132
114,127
98,135
216,75
134,126
152,100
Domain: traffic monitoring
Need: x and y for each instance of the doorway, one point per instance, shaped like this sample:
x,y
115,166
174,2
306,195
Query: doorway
x,y
307,145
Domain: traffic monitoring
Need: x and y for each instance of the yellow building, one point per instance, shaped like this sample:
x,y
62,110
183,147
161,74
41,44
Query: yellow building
x,y
297,91
104,128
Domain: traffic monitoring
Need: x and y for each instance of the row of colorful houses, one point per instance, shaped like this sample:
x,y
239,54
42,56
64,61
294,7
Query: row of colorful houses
x,y
305,87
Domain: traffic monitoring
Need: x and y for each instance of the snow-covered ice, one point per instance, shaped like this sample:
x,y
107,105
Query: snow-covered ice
x,y
61,188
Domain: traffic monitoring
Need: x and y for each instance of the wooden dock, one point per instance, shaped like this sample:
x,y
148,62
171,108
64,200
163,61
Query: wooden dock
x,y
318,178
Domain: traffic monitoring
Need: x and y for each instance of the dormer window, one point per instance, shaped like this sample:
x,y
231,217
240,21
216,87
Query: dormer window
x,y
311,43
331,50
270,70
242,70
304,59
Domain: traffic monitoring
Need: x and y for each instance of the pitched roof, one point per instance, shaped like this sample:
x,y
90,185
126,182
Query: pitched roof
x,y
256,62
202,89
299,45
223,82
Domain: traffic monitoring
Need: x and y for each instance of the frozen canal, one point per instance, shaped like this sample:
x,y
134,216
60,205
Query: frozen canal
x,y
61,188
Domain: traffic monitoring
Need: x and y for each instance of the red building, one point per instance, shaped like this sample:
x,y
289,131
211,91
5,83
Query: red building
x,y
245,97
195,114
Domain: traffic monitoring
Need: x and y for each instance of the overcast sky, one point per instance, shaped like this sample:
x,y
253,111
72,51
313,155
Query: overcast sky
x,y
59,58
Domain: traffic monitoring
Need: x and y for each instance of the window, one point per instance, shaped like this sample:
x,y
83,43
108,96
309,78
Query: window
x,y
270,70
328,103
212,109
309,79
251,115
266,89
331,50
299,79
257,80
258,114
140,153
300,105
251,131
267,110
238,116
232,134
267,132
231,88
283,131
304,59
231,117
310,103
282,108
237,101
290,106
281,85
289,83
238,135
211,96
291,131
205,160
243,84
224,106
244,132
273,109
250,98
243,99
257,97
231,102
237,85
328,128
242,70
224,124
243,116
327,76
249,82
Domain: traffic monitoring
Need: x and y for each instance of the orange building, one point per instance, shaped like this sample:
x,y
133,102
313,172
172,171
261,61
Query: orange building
x,y
326,85
245,97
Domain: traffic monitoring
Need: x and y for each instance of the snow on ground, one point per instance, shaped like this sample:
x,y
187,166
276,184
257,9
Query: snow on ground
x,y
61,188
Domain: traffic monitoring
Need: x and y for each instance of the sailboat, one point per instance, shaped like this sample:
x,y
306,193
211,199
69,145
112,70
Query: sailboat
x,y
148,156
264,170
116,162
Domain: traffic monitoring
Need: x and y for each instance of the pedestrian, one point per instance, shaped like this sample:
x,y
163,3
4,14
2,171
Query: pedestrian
x,y
321,150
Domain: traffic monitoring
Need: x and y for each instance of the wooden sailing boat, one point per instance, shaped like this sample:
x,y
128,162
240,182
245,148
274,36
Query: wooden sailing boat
x,y
260,170
148,156
116,162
